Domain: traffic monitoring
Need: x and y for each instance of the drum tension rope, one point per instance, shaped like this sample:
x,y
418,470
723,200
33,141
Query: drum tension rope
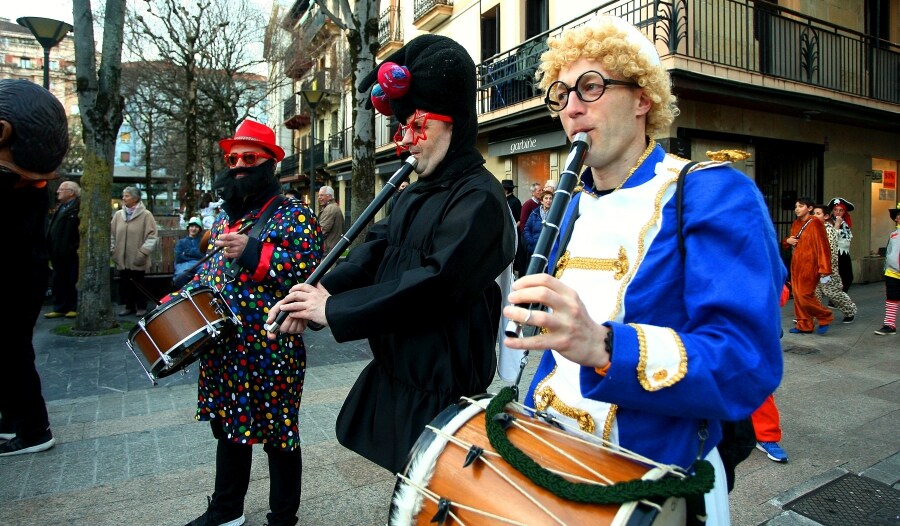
x,y
634,490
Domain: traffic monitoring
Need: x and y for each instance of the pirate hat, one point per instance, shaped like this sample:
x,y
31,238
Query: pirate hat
x,y
841,201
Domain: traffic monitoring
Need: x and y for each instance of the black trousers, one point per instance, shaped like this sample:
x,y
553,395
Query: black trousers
x,y
65,277
233,462
845,270
131,283
21,401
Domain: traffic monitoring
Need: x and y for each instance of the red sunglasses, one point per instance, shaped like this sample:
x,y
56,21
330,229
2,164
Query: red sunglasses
x,y
417,123
249,158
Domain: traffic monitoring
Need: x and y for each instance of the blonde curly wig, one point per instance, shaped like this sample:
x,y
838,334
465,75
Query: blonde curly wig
x,y
619,48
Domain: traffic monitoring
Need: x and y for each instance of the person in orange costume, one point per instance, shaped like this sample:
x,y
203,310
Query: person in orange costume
x,y
767,420
810,262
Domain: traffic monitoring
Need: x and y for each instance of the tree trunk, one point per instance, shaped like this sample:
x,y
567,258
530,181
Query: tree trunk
x,y
362,56
100,104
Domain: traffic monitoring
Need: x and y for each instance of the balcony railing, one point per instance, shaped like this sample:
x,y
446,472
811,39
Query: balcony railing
x,y
749,35
290,164
422,7
429,14
389,27
290,107
339,145
318,155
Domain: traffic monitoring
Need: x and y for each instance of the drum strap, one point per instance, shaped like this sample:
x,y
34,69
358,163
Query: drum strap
x,y
256,231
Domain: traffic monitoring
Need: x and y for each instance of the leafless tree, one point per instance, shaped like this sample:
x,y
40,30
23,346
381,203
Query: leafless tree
x,y
201,55
100,103
360,24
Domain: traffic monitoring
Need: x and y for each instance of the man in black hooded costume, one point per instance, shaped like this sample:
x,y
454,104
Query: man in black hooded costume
x,y
421,288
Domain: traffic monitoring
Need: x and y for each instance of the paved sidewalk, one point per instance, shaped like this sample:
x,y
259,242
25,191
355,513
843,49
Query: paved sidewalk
x,y
131,453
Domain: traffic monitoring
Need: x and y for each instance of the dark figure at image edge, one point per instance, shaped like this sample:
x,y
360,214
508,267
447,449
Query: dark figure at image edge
x,y
33,141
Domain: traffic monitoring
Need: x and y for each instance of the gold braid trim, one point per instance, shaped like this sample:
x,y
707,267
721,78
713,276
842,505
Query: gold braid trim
x,y
618,265
662,374
545,397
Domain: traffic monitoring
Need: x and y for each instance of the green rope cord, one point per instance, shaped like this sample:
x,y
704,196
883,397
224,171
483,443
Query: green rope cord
x,y
621,492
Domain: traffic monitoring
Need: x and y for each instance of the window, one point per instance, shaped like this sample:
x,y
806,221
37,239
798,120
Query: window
x,y
125,157
25,62
536,18
490,33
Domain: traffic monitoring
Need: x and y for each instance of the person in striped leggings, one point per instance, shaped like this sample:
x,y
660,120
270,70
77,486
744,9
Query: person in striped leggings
x,y
892,278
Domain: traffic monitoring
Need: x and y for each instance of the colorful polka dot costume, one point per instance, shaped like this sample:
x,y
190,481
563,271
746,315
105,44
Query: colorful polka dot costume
x,y
251,384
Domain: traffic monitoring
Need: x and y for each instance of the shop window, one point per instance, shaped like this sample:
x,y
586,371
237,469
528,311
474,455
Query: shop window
x,y
532,168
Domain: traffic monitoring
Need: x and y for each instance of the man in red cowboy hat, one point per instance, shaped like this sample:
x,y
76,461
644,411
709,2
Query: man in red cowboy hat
x,y
250,387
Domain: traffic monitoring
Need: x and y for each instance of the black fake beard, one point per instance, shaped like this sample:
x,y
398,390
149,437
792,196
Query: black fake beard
x,y
244,191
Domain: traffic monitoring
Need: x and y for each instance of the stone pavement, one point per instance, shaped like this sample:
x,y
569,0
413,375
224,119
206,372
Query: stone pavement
x,y
131,453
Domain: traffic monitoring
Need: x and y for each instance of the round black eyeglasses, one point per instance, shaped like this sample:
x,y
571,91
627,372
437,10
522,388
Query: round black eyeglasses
x,y
589,87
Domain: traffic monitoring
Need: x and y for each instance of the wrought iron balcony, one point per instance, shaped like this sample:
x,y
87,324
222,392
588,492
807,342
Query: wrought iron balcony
x,y
290,165
429,14
390,31
754,36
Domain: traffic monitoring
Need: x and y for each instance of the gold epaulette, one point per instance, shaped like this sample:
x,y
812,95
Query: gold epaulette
x,y
728,155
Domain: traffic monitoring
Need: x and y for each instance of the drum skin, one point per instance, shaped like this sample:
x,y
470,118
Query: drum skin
x,y
180,329
484,489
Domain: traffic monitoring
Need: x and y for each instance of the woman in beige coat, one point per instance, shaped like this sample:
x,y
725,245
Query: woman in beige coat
x,y
133,236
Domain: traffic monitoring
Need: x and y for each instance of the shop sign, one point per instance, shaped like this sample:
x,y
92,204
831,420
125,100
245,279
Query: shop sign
x,y
528,143
889,179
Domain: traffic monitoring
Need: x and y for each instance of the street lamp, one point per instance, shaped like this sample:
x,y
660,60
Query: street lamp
x,y
313,97
48,33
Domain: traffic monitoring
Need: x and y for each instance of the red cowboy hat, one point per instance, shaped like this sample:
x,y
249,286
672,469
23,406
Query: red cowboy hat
x,y
250,131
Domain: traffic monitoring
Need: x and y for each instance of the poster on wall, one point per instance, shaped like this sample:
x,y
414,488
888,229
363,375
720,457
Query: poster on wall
x,y
889,179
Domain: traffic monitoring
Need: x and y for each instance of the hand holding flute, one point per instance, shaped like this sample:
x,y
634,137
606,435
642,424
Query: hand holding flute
x,y
567,327
581,143
299,293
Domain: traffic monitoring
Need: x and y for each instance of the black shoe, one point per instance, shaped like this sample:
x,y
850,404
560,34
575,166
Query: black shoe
x,y
887,330
7,431
214,517
848,319
19,446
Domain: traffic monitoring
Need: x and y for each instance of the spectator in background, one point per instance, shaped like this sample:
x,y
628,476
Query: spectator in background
x,y
520,264
133,237
63,240
833,288
536,221
293,194
891,278
331,219
34,139
529,205
189,250
810,263
515,206
402,186
550,186
840,214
